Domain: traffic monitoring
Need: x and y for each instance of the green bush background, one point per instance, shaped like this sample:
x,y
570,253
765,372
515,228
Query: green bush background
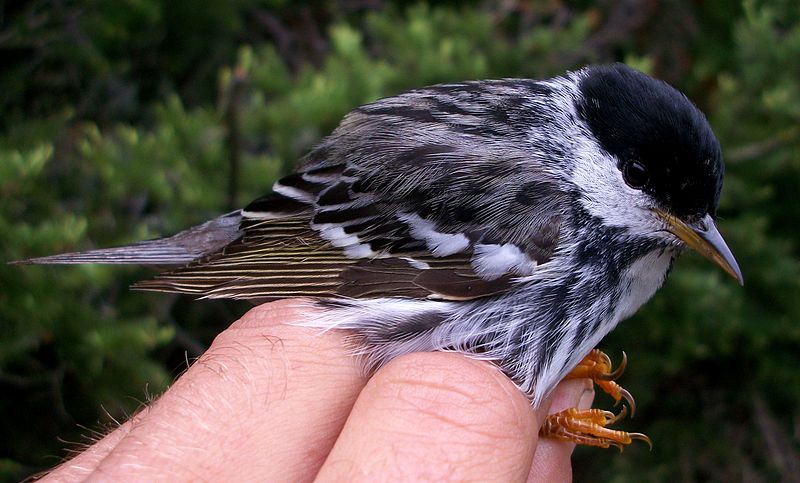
x,y
133,119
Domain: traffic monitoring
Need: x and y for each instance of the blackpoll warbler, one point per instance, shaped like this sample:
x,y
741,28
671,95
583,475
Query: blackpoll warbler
x,y
514,220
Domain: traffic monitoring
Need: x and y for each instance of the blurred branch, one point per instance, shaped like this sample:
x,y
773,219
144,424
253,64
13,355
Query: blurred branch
x,y
234,141
279,33
778,445
298,42
765,147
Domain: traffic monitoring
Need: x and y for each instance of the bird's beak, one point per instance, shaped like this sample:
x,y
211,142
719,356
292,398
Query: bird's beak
x,y
704,238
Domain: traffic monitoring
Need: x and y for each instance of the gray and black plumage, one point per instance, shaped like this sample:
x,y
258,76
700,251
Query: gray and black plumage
x,y
514,220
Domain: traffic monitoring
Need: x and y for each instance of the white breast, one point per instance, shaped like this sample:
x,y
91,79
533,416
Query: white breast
x,y
641,280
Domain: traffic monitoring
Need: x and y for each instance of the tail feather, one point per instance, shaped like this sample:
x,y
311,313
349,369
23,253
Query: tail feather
x,y
180,249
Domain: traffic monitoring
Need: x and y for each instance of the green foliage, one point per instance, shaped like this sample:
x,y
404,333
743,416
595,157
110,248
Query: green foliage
x,y
121,137
423,46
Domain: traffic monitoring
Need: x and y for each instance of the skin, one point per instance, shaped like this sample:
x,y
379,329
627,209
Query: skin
x,y
271,401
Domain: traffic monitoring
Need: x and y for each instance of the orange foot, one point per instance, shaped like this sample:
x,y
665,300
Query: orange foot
x,y
589,427
597,367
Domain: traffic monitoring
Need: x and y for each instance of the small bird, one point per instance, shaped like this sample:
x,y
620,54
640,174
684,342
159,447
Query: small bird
x,y
515,220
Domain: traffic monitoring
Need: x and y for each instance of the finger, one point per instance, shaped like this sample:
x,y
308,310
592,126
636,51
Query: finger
x,y
436,417
551,463
84,463
265,402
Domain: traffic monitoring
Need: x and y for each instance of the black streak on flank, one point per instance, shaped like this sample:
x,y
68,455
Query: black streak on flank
x,y
557,297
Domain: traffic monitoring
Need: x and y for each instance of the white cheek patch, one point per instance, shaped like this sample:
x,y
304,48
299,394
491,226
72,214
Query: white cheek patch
x,y
605,194
440,244
494,261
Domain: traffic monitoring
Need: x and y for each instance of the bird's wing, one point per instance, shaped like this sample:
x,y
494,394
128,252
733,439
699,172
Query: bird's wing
x,y
436,193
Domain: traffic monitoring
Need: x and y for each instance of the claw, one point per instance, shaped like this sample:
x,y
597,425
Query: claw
x,y
615,418
642,437
628,397
605,358
613,376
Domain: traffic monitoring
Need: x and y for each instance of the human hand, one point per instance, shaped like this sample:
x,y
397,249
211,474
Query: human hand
x,y
271,401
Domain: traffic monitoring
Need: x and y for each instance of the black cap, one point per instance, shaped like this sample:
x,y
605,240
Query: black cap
x,y
643,120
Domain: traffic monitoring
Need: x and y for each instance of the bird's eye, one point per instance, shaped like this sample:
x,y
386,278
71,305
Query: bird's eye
x,y
635,174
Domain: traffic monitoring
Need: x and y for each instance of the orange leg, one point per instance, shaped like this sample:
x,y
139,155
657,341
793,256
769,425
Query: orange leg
x,y
590,427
